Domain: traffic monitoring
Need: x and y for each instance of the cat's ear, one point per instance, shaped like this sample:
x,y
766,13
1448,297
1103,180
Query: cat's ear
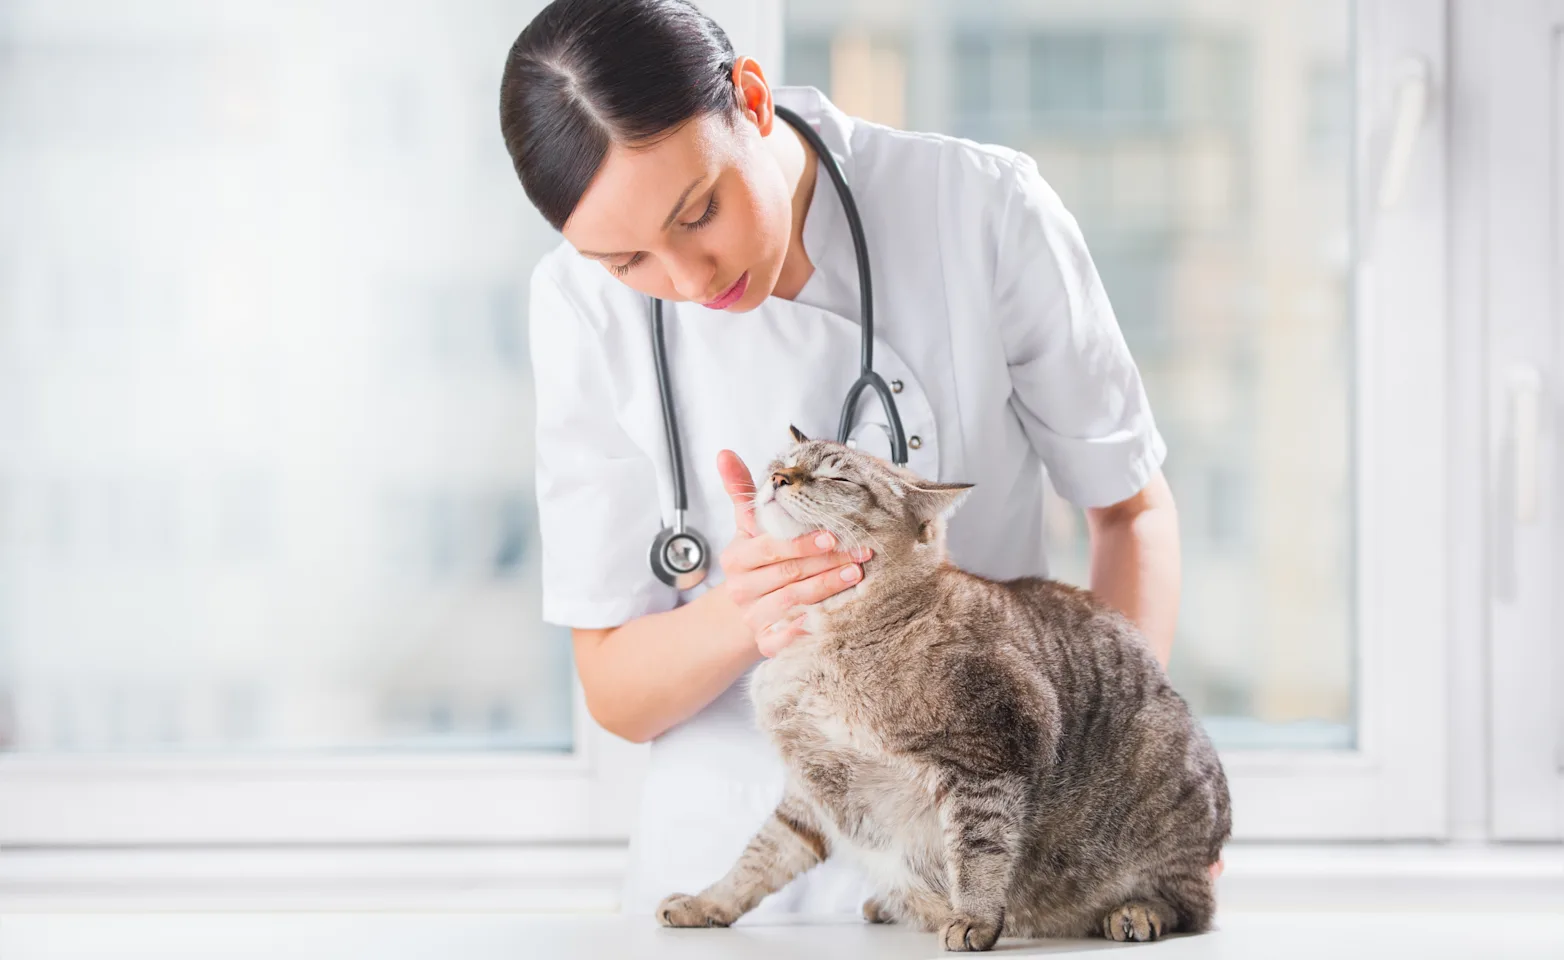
x,y
932,502
797,434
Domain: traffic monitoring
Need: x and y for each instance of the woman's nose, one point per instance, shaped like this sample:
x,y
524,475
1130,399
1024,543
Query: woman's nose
x,y
693,279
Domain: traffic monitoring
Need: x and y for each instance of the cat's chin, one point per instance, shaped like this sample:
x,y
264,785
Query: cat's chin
x,y
776,522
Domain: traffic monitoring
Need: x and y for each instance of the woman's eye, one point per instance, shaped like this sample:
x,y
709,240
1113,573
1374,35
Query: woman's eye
x,y
711,211
620,269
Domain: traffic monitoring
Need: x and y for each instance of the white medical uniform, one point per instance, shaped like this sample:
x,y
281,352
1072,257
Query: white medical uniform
x,y
990,323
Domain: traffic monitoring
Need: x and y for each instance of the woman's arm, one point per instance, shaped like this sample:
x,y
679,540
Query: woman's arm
x,y
656,671
1135,563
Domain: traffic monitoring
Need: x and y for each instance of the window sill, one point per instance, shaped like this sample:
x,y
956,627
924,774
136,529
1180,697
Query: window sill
x,y
585,878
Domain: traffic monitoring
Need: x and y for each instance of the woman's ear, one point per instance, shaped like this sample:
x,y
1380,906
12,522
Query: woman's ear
x,y
754,94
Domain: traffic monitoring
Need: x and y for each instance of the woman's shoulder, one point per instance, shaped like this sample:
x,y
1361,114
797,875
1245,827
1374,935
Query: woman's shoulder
x,y
939,162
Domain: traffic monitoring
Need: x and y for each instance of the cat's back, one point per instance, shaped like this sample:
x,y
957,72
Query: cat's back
x,y
1088,673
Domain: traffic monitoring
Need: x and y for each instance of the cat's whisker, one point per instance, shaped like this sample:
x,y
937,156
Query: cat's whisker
x,y
852,534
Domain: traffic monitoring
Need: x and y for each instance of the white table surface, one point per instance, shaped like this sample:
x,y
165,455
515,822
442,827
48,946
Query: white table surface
x,y
493,936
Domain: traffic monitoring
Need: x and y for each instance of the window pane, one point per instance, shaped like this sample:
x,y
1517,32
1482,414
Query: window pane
x,y
265,403
1205,152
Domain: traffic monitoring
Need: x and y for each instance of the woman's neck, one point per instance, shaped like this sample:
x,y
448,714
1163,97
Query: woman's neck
x,y
799,165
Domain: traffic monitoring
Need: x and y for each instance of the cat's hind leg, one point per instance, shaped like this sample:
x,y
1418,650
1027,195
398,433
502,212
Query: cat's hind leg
x,y
1139,921
1173,902
928,910
788,844
876,911
1191,893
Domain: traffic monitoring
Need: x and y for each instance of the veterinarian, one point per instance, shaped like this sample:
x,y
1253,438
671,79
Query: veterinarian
x,y
661,157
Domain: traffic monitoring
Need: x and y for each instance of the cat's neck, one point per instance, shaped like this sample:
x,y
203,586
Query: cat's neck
x,y
887,597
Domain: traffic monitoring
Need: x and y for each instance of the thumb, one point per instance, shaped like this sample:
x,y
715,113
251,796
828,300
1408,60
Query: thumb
x,y
741,490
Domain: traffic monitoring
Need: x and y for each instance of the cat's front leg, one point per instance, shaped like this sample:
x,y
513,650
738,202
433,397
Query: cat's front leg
x,y
980,819
787,844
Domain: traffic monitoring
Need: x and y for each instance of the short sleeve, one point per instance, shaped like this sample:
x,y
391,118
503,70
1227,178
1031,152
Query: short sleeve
x,y
1075,387
596,490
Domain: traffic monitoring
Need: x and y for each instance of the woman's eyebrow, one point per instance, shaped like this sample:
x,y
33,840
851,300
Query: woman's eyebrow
x,y
683,197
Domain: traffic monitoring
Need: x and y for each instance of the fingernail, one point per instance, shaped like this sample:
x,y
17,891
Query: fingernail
x,y
861,553
851,573
823,541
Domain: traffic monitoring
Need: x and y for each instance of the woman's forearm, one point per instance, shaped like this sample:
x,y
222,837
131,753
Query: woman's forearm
x,y
1135,563
654,672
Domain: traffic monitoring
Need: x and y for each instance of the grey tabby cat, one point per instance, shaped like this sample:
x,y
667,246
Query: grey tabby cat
x,y
997,757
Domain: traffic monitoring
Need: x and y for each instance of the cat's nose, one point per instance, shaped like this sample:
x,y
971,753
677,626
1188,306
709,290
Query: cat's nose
x,y
780,479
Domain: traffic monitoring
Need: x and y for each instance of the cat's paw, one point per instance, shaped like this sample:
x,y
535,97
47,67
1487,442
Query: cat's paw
x,y
1137,920
874,911
682,910
965,933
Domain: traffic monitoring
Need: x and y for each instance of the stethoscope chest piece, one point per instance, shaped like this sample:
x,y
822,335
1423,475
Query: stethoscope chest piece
x,y
679,557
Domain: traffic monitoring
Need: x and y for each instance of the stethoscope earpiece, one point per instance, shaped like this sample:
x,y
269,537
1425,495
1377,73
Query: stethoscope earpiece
x,y
679,555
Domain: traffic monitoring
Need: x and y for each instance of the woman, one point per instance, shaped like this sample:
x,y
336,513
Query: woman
x,y
657,153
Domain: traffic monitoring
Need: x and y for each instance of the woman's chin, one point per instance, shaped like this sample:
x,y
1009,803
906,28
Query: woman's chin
x,y
776,522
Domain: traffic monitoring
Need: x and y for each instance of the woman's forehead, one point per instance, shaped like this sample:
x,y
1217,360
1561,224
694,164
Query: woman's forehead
x,y
638,189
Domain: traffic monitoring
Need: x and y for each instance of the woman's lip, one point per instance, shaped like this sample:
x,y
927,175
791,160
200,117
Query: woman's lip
x,y
732,294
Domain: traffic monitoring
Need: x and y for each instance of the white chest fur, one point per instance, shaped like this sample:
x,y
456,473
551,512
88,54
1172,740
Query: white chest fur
x,y
886,818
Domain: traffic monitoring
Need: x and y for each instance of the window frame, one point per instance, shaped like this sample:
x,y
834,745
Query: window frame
x,y
1392,785
70,800
1522,90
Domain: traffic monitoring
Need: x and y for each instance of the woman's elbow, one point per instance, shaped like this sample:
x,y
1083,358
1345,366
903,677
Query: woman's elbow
x,y
614,711
619,722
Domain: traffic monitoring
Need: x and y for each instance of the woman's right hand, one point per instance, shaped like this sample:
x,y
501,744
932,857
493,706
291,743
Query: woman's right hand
x,y
767,577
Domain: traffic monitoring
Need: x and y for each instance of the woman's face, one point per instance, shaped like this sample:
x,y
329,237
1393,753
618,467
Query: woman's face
x,y
703,215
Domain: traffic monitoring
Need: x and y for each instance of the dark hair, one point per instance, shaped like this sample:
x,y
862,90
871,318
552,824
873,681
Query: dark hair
x,y
585,74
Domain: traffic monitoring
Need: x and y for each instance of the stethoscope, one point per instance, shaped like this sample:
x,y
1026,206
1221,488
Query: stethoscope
x,y
680,554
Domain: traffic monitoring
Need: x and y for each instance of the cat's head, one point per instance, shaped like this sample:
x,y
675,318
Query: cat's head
x,y
863,499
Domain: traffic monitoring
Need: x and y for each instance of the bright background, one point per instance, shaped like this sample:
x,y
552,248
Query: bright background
x,y
268,543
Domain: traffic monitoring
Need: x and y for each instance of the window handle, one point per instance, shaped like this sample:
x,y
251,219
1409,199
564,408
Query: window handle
x,y
1412,92
1525,383
1517,484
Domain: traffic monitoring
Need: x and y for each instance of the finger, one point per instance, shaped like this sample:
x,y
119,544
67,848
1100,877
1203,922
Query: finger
x,y
782,633
743,555
810,590
741,490
759,581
